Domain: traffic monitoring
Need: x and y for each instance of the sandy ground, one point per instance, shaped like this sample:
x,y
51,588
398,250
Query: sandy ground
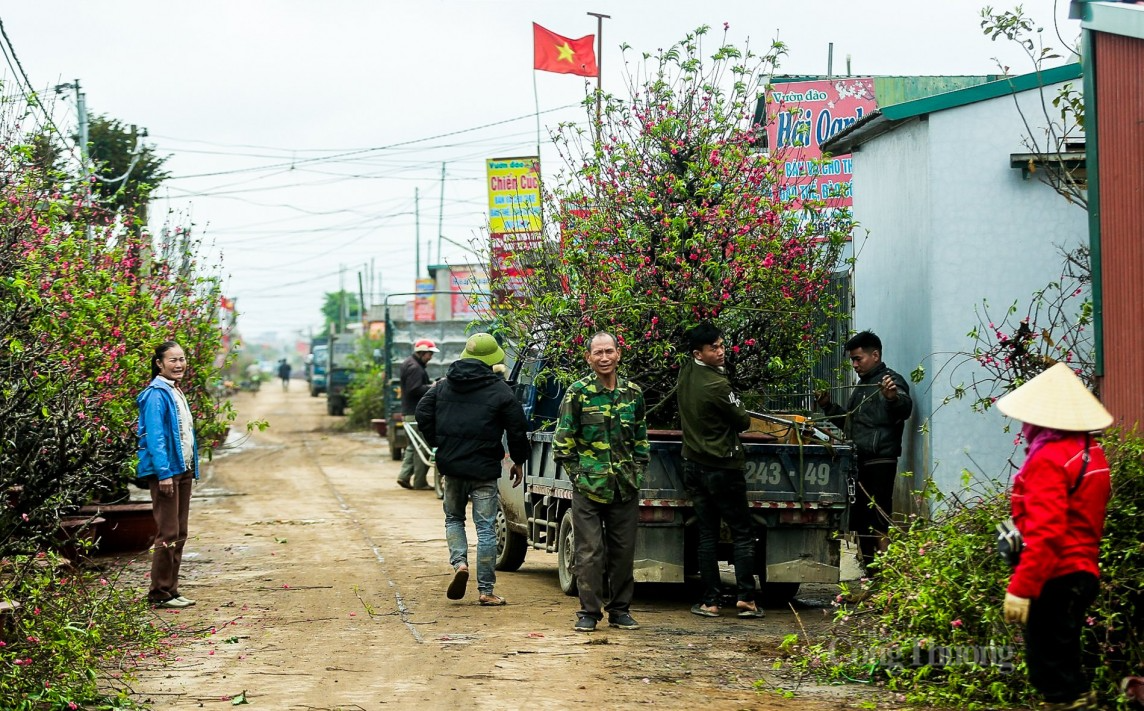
x,y
320,585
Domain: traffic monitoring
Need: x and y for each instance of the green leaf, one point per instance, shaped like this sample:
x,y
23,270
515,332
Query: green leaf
x,y
240,699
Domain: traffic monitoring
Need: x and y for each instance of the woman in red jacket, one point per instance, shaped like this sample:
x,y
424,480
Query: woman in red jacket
x,y
1058,502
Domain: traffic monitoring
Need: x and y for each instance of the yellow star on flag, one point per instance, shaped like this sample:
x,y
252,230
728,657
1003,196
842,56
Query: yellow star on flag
x,y
566,53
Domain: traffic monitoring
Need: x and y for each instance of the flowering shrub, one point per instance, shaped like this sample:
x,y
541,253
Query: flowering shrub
x,y
669,213
85,303
69,625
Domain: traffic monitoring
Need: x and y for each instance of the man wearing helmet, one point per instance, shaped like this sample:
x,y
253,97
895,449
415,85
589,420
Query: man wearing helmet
x,y
414,384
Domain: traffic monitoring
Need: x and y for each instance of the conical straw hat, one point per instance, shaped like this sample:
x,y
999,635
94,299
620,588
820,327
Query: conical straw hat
x,y
1056,399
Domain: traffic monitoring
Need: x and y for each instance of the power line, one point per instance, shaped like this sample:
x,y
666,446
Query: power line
x,y
32,97
362,151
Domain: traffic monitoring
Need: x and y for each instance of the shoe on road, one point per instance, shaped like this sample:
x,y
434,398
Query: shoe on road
x,y
585,624
187,600
624,621
404,484
175,603
456,589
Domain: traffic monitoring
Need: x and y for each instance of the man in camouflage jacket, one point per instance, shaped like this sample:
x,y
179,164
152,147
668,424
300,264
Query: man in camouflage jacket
x,y
601,440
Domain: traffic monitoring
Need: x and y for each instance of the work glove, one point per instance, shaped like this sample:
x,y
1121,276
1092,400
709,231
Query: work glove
x,y
1016,608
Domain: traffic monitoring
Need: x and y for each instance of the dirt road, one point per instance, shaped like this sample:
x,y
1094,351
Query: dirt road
x,y
320,585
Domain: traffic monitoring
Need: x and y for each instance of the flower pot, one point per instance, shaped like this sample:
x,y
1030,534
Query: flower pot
x,y
125,528
75,533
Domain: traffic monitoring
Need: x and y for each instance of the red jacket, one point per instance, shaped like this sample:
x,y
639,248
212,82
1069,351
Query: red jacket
x,y
1062,532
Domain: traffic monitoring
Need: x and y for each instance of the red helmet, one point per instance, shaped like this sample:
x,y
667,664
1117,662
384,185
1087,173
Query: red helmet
x,y
425,346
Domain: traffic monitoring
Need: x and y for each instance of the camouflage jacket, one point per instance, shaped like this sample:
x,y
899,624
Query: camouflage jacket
x,y
601,439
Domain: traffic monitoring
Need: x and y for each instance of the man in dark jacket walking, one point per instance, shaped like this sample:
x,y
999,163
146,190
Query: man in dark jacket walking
x,y
874,419
713,462
464,417
414,385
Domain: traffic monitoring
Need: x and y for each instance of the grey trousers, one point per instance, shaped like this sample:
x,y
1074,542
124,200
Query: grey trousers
x,y
412,466
605,554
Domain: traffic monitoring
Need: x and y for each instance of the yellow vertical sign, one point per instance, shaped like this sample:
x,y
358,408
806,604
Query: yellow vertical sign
x,y
514,194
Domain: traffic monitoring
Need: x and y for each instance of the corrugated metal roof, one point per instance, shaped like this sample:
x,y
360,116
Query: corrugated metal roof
x,y
888,116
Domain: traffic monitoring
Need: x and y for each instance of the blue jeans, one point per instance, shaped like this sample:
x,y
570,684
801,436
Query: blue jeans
x,y
483,494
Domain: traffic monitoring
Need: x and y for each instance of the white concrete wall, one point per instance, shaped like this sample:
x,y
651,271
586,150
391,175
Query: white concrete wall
x,y
971,228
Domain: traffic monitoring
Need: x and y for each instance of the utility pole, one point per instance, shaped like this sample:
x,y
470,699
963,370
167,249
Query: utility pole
x,y
81,110
417,233
599,62
441,214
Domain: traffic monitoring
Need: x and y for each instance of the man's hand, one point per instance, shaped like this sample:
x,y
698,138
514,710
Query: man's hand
x,y
167,487
1016,608
889,388
822,399
516,474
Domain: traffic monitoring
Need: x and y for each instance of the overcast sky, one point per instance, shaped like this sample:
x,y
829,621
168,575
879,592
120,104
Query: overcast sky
x,y
253,91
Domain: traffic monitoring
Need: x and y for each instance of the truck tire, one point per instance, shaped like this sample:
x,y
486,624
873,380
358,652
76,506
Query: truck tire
x,y
511,546
779,594
313,391
333,407
566,555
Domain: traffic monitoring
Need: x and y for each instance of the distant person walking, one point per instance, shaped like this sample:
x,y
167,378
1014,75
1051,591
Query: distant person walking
x,y
713,461
875,419
284,369
414,384
601,439
465,416
168,461
1059,500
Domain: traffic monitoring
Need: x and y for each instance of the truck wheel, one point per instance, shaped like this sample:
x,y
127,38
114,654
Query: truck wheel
x,y
566,555
313,391
779,594
511,546
395,453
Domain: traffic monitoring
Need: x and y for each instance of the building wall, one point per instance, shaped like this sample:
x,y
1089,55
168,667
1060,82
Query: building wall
x,y
974,229
1119,106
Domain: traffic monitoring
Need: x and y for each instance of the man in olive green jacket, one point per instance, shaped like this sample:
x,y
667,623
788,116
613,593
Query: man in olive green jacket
x,y
713,461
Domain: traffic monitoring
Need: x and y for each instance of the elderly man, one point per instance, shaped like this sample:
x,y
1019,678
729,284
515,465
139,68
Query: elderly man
x,y
414,385
465,416
601,439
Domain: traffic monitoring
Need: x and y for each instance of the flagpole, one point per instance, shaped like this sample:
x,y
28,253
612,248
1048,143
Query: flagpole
x,y
599,60
536,98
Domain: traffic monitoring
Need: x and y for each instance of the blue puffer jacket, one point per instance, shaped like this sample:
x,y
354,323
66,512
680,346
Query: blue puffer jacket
x,y
160,451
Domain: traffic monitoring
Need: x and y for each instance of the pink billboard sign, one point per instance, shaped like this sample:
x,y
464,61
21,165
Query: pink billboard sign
x,y
803,115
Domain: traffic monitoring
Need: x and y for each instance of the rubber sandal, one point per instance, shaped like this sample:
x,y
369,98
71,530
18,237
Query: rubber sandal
x,y
456,589
697,609
757,613
493,601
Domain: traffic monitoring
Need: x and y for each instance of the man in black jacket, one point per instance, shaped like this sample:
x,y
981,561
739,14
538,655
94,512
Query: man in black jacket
x,y
464,417
414,385
713,462
874,419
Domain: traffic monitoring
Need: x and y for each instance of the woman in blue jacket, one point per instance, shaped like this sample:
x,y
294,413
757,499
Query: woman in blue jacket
x,y
168,462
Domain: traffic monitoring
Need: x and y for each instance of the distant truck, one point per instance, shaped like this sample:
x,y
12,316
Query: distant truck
x,y
316,365
799,496
339,372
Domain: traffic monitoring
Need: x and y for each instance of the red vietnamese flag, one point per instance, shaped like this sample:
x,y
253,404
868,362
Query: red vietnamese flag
x,y
553,53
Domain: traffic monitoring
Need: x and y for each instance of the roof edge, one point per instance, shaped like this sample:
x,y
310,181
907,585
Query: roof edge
x,y
870,125
1113,18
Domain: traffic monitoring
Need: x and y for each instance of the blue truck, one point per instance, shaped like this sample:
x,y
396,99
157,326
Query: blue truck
x,y
799,493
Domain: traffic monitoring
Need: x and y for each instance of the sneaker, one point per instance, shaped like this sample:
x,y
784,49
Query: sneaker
x,y
177,603
404,484
624,621
187,600
585,624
